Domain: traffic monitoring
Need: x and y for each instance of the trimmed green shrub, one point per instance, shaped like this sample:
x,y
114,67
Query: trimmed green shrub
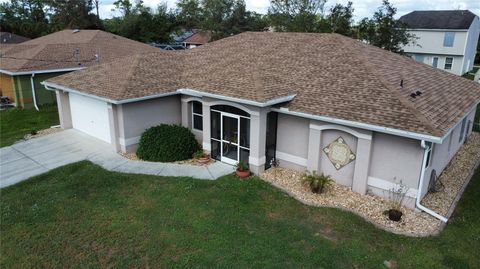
x,y
167,143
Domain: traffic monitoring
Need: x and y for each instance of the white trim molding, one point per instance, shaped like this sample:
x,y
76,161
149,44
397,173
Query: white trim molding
x,y
206,146
40,71
129,141
271,102
341,128
291,158
257,161
366,126
387,185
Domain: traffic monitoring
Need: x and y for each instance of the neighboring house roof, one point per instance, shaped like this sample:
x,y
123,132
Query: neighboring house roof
x,y
439,19
9,38
329,74
68,49
199,38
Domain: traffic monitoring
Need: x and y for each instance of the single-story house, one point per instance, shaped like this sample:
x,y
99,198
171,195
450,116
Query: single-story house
x,y
23,66
318,102
10,38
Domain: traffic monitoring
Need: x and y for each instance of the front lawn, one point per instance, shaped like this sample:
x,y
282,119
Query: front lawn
x,y
81,215
15,123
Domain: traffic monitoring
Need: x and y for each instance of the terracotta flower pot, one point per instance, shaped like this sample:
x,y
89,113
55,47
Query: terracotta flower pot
x,y
203,160
394,215
242,174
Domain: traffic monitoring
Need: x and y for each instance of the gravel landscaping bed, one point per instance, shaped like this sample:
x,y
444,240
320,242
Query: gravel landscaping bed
x,y
43,132
133,156
455,176
369,207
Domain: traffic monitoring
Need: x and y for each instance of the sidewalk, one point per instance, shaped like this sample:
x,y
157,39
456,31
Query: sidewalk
x,y
39,155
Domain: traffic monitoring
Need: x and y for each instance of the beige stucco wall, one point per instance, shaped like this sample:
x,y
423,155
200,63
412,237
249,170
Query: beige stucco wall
x,y
134,118
443,153
344,175
396,157
292,137
381,162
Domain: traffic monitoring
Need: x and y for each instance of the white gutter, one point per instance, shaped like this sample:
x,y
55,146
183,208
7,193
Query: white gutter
x,y
422,177
40,71
365,126
235,99
34,96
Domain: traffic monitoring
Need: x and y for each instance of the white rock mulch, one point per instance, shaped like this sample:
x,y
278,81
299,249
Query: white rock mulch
x,y
369,207
51,130
455,176
133,156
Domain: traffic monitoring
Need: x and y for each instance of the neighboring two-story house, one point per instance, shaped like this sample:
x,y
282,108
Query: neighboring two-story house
x,y
446,39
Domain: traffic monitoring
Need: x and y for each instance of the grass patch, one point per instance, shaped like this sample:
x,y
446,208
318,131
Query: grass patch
x,y
16,123
81,215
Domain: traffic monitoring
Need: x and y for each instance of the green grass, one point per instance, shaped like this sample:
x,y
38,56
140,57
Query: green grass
x,y
15,123
83,216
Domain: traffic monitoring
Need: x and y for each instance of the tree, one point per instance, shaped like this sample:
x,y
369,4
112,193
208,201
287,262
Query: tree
x,y
24,17
189,14
141,23
73,14
340,19
295,15
384,31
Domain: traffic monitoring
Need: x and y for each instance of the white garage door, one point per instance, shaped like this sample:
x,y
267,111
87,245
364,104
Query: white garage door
x,y
90,116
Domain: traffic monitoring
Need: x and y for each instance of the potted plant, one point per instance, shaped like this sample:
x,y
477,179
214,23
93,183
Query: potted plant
x,y
396,196
242,170
201,156
317,183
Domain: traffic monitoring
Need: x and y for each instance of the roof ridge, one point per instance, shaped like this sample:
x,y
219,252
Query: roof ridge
x,y
409,106
131,71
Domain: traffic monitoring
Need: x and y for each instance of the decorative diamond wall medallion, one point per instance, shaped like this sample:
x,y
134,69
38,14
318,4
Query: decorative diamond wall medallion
x,y
339,153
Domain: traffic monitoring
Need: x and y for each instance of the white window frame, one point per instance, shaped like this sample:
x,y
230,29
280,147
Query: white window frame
x,y
196,114
445,65
433,61
445,39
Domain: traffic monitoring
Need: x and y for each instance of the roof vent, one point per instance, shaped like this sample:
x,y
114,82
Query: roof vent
x,y
413,95
75,31
418,93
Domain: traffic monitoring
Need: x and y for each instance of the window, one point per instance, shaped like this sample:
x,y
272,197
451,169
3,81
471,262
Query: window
x,y
197,116
419,58
448,39
435,62
429,156
448,63
462,130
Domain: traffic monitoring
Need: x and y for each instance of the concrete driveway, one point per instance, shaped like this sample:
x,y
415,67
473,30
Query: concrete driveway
x,y
39,155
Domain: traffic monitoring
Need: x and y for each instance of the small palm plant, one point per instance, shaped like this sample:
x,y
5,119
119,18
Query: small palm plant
x,y
317,183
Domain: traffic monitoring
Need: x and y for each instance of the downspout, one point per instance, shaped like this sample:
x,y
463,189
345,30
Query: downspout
x,y
419,193
34,97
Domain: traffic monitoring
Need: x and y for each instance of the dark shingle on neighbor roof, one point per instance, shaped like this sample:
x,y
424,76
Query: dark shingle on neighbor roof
x,y
438,19
330,74
68,49
9,38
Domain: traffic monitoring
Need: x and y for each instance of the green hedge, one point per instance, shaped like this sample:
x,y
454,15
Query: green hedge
x,y
167,143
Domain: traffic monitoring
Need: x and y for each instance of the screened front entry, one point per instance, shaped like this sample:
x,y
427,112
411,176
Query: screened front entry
x,y
230,134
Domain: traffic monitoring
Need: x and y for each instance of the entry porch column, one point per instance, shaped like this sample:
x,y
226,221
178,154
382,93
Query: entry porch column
x,y
64,114
258,135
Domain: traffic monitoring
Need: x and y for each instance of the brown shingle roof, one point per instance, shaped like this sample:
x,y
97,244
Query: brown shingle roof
x,y
59,50
331,75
